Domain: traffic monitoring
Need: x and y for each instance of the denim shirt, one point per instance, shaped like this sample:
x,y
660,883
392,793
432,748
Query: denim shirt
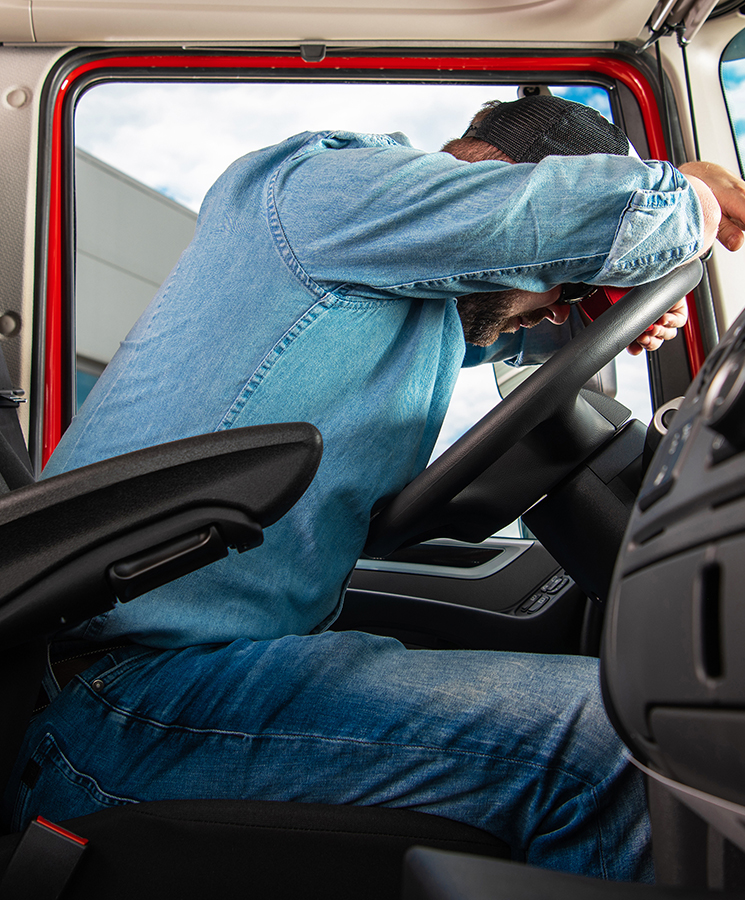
x,y
321,285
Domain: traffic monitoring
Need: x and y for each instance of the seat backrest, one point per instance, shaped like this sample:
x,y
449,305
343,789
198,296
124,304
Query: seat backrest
x,y
21,668
61,563
16,469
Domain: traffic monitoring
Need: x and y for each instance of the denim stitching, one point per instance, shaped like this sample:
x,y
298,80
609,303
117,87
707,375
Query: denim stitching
x,y
601,852
328,301
267,363
44,754
596,799
283,245
486,275
246,735
686,250
115,670
81,780
639,202
325,300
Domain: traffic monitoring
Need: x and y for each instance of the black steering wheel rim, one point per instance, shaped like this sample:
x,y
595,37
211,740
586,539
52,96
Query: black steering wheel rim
x,y
554,385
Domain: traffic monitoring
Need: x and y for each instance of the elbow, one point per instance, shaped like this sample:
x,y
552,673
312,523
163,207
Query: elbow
x,y
712,213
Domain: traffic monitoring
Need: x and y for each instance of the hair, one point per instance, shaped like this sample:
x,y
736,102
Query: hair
x,y
474,149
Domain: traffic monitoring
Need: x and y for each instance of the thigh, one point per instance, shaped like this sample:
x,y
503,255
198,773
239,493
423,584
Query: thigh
x,y
517,744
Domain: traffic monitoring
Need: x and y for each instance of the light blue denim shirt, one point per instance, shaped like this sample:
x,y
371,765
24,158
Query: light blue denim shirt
x,y
321,286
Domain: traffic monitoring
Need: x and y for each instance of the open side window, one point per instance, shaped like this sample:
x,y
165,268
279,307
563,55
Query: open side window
x,y
137,140
146,153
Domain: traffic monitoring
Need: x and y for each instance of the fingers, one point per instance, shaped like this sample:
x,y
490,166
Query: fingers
x,y
664,329
676,316
654,337
645,342
731,234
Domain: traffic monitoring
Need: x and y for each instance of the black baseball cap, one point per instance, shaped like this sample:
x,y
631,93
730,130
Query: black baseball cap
x,y
534,127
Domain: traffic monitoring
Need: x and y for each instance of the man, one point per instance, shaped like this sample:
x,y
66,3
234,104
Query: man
x,y
324,283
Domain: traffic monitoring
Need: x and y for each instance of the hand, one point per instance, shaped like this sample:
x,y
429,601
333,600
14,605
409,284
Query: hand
x,y
664,329
729,192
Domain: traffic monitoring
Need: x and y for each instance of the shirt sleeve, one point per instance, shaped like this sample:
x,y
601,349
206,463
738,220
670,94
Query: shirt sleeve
x,y
389,221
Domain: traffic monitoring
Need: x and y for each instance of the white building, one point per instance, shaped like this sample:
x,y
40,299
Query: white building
x,y
129,237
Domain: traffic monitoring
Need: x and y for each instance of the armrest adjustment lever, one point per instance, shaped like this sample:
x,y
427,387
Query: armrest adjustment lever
x,y
142,572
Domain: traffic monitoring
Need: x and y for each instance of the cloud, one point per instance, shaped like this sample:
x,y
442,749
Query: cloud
x,y
180,137
733,83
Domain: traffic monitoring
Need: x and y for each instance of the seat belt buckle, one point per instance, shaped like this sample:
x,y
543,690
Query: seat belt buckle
x,y
43,862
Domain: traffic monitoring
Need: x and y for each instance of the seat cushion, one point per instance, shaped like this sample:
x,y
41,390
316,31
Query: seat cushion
x,y
210,848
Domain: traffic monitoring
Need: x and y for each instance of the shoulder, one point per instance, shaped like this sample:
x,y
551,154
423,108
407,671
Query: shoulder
x,y
352,140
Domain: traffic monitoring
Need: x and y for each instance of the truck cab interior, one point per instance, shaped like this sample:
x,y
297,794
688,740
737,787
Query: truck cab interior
x,y
115,119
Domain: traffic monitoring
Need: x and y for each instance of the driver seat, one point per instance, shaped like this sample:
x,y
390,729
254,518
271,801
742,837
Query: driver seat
x,y
57,563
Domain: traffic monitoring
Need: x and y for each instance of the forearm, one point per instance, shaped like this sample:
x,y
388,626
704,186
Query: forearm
x,y
427,225
712,214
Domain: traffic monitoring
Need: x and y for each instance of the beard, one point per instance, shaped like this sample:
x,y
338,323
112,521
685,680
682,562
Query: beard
x,y
485,316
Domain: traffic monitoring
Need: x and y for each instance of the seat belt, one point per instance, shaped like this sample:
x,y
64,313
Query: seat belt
x,y
15,464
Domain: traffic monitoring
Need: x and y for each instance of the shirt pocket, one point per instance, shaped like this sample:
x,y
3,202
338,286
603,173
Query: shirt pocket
x,y
657,233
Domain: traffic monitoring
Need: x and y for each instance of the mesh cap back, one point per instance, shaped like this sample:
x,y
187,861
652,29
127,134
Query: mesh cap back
x,y
531,128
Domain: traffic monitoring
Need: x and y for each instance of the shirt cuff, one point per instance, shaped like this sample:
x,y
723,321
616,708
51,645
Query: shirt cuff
x,y
658,231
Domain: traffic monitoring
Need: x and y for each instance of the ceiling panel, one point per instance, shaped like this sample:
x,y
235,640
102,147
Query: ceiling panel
x,y
568,21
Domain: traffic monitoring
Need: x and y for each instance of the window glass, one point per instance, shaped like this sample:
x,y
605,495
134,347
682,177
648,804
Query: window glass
x,y
732,71
146,153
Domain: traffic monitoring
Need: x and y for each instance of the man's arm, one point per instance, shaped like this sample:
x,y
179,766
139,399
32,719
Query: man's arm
x,y
381,223
722,198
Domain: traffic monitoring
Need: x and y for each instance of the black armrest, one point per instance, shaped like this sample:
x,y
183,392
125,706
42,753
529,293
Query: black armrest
x,y
73,544
442,875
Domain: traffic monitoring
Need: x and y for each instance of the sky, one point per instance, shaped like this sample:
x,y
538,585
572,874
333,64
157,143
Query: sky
x,y
733,82
178,137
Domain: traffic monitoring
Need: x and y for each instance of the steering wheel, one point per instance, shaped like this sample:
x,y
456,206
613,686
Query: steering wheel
x,y
549,394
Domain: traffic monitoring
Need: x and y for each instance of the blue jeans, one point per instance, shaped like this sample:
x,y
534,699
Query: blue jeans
x,y
515,744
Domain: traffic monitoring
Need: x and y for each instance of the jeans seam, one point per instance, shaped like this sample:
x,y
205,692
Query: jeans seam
x,y
115,669
245,735
44,755
598,820
601,852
